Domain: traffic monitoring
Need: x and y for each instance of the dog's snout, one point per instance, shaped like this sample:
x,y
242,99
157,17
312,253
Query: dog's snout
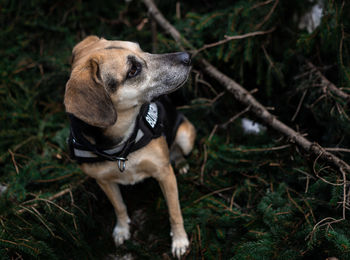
x,y
185,58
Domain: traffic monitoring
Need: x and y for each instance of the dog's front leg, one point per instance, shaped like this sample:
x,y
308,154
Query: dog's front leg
x,y
167,182
121,231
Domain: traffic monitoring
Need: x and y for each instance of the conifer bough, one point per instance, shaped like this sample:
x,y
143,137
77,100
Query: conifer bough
x,y
243,96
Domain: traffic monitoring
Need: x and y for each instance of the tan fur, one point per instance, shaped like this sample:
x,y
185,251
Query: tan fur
x,y
89,98
185,135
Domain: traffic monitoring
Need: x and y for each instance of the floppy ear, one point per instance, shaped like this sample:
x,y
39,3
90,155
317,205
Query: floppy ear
x,y
87,99
88,41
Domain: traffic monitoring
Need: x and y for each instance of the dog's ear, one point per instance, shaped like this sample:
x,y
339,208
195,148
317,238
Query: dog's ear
x,y
88,41
87,99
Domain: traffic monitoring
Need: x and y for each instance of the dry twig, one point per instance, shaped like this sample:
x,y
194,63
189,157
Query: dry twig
x,y
234,37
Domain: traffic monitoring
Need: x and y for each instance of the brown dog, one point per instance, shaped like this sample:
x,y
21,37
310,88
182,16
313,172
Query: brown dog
x,y
108,96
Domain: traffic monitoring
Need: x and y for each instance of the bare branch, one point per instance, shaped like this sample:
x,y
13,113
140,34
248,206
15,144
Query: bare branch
x,y
234,37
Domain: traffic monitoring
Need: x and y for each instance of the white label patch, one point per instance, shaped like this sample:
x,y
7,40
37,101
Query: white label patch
x,y
152,114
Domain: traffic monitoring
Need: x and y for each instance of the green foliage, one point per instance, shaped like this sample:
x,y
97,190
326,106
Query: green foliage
x,y
242,199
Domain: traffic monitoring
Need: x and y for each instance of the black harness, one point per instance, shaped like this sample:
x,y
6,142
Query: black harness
x,y
154,119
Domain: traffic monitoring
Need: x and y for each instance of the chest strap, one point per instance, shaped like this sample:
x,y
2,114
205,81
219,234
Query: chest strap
x,y
147,127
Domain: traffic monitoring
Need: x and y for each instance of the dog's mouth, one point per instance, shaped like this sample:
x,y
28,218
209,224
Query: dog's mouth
x,y
178,86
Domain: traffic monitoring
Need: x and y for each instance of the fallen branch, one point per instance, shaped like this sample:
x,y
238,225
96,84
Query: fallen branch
x,y
244,96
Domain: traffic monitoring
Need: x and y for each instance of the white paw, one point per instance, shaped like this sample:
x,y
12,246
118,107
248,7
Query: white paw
x,y
179,246
184,169
120,234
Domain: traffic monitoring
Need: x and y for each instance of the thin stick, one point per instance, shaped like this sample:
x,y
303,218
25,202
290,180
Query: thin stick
x,y
224,125
14,161
55,179
276,148
154,35
212,193
299,105
267,17
261,4
336,149
200,241
204,163
234,37
178,10
297,206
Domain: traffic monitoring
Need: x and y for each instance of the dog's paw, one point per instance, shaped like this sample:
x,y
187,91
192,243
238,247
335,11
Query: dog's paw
x,y
184,168
179,246
120,234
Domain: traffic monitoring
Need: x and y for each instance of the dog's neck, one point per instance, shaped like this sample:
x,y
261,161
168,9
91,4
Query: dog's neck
x,y
124,126
116,134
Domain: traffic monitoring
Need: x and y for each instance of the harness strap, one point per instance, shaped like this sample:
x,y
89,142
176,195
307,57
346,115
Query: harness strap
x,y
153,120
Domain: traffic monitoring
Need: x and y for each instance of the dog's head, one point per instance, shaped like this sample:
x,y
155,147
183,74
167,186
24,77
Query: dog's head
x,y
110,76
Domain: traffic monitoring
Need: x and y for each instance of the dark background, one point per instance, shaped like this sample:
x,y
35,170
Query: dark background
x,y
240,200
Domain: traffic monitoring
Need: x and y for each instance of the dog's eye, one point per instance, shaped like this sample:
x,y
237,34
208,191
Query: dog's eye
x,y
134,70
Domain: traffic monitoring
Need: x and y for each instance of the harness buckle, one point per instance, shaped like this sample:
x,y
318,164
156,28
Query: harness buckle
x,y
121,163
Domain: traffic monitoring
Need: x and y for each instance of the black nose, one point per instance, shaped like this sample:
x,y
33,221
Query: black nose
x,y
185,58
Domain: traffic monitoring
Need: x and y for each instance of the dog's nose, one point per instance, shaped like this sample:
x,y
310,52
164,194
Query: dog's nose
x,y
185,58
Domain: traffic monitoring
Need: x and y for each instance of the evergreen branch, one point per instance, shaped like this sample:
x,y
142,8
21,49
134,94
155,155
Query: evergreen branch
x,y
39,217
243,96
297,206
328,221
326,83
35,250
230,38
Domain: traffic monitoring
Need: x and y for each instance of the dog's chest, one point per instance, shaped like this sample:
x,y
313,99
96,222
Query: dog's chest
x,y
130,177
108,171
